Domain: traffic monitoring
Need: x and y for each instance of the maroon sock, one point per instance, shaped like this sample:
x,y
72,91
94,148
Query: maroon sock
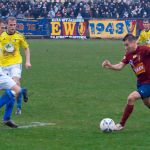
x,y
127,112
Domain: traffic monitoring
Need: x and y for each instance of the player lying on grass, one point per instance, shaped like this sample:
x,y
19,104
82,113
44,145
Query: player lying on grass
x,y
139,59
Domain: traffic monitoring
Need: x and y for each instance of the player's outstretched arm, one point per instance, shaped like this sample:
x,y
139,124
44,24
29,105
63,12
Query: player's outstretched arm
x,y
27,54
117,67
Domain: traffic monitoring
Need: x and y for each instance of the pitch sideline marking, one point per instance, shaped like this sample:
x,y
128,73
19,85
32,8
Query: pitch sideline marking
x,y
37,124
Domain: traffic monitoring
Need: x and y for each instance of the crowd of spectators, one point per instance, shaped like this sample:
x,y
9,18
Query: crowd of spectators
x,y
71,8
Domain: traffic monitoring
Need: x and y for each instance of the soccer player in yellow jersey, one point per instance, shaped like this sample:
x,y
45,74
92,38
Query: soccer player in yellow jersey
x,y
144,37
11,41
12,91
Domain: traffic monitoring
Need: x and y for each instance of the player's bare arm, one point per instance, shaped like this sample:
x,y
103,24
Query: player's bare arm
x,y
27,54
107,64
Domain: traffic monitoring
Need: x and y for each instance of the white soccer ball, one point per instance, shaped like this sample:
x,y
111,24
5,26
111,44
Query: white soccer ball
x,y
107,125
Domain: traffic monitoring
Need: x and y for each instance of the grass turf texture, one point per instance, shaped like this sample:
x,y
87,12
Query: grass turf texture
x,y
68,87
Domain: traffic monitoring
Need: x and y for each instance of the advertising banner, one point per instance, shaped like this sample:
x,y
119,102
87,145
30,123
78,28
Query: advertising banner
x,y
33,27
111,28
68,28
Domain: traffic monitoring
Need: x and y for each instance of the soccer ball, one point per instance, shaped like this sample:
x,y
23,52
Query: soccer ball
x,y
107,125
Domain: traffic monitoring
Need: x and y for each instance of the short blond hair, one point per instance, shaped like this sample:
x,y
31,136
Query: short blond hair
x,y
11,19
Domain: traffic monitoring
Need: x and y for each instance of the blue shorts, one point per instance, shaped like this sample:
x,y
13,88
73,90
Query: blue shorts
x,y
144,90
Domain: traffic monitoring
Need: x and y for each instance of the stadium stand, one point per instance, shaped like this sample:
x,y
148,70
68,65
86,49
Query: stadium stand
x,y
71,8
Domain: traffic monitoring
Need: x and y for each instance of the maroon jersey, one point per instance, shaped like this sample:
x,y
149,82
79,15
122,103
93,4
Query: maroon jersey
x,y
140,63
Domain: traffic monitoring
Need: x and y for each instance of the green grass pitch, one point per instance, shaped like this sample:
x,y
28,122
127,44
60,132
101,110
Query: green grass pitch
x,y
68,87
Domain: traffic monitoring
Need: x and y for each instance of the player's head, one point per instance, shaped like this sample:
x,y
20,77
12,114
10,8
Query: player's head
x,y
2,26
11,25
130,42
146,24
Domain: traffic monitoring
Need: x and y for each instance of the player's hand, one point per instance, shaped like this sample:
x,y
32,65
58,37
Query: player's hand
x,y
28,65
106,64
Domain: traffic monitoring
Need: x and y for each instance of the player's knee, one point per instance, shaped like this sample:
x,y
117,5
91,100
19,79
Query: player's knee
x,y
16,90
131,99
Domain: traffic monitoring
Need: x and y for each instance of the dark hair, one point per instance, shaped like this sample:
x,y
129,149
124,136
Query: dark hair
x,y
145,21
129,37
11,18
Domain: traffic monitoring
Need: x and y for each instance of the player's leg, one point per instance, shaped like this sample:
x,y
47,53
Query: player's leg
x,y
12,94
19,98
23,94
132,98
4,84
8,98
146,101
4,99
13,71
16,76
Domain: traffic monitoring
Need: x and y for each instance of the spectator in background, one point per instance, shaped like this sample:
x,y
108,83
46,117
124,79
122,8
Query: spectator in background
x,y
58,14
72,14
51,13
70,8
79,16
27,14
20,15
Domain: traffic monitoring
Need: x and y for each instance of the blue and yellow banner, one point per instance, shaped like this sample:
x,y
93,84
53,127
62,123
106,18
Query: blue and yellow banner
x,y
68,28
111,28
33,27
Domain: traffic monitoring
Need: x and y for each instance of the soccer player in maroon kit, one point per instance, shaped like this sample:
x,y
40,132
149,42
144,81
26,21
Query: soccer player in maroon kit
x,y
139,59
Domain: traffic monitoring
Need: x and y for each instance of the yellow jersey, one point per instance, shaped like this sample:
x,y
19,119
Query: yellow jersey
x,y
144,37
0,56
10,53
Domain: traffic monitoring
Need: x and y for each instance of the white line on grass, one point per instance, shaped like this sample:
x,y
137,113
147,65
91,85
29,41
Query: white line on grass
x,y
37,124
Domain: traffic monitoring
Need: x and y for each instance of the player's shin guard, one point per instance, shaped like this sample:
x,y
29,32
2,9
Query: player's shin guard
x,y
9,105
5,98
8,110
19,100
127,112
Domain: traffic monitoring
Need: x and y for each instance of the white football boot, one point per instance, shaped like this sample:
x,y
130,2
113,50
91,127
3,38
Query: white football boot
x,y
118,127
